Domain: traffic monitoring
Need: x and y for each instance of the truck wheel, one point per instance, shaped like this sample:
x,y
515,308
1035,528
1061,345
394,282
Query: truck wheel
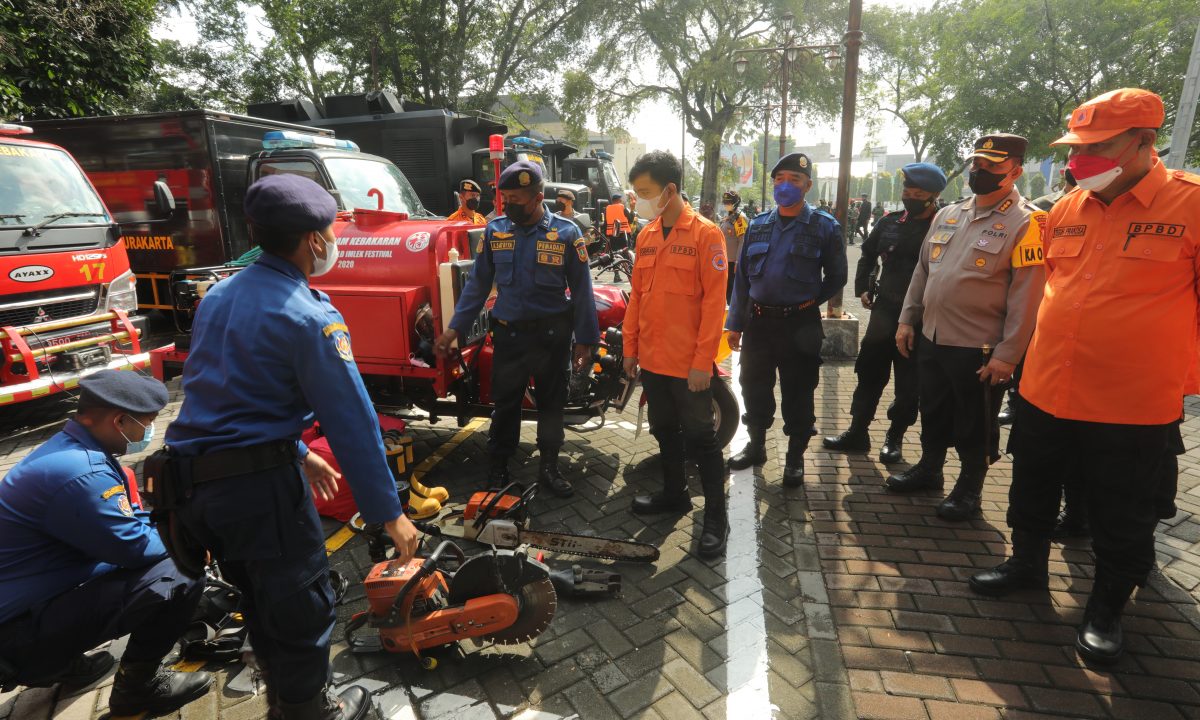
x,y
725,411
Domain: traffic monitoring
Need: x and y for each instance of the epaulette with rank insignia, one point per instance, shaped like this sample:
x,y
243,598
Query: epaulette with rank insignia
x,y
826,213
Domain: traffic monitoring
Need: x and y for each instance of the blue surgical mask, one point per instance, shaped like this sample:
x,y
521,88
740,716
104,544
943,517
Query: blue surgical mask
x,y
787,194
131,446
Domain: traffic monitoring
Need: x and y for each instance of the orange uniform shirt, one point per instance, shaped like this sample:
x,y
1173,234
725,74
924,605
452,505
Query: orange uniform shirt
x,y
612,213
1116,334
677,300
465,214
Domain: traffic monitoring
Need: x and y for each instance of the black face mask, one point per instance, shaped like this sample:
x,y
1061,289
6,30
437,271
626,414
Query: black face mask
x,y
559,206
520,214
472,203
983,182
915,207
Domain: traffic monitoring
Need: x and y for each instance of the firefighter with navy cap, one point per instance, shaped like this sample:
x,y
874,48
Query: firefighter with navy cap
x,y
975,295
896,241
793,259
468,193
533,257
80,564
268,355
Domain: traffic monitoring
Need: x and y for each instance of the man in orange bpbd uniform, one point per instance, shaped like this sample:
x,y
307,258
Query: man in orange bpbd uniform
x,y
468,203
1109,360
672,329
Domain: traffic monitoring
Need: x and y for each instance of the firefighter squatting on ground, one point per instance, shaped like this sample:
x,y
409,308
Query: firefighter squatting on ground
x,y
967,295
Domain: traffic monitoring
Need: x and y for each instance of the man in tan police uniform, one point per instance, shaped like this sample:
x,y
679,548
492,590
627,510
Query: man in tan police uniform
x,y
975,292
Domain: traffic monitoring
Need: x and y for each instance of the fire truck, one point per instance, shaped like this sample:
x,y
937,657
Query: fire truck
x,y
67,294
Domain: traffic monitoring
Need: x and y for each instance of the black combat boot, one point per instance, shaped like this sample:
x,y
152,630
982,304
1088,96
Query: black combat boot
x,y
1025,570
498,476
793,466
352,704
715,531
925,475
853,440
892,451
148,687
550,478
1100,639
755,452
674,497
966,497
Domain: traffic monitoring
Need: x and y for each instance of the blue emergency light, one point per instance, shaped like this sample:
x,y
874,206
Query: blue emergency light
x,y
527,141
603,155
289,139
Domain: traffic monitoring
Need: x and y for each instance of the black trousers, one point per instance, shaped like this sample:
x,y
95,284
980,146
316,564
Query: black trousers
x,y
1121,466
877,358
791,348
153,605
682,422
264,531
953,404
541,350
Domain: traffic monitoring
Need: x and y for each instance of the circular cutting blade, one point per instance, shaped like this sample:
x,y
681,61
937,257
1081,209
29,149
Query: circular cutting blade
x,y
505,573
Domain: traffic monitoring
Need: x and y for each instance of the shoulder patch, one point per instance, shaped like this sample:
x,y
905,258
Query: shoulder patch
x,y
1028,250
341,343
124,506
739,225
114,490
581,249
331,328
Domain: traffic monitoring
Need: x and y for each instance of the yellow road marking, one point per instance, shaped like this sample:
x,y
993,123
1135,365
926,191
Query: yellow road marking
x,y
335,541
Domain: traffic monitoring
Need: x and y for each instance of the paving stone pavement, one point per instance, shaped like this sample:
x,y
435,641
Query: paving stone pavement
x,y
863,600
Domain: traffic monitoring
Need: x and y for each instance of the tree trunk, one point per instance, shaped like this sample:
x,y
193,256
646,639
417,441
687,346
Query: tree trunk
x,y
712,166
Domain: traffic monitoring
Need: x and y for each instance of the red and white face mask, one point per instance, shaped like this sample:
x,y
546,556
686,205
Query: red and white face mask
x,y
1093,172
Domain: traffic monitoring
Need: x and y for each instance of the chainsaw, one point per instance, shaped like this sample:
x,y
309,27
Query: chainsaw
x,y
500,518
502,596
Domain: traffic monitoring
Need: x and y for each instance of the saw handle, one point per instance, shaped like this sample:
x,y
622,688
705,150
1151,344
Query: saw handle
x,y
426,568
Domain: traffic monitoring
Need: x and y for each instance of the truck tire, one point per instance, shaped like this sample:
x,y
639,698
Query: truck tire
x,y
725,411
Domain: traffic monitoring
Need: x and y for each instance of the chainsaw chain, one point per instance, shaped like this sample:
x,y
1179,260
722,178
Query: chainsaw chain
x,y
577,553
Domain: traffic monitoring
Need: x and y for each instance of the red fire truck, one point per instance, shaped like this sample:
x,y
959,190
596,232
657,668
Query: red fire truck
x,y
67,295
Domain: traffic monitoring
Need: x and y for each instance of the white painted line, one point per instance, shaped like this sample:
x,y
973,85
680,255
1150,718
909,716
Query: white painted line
x,y
746,664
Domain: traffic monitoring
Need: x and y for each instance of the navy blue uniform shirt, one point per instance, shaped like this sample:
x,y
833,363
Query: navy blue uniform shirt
x,y
790,265
532,267
268,352
65,518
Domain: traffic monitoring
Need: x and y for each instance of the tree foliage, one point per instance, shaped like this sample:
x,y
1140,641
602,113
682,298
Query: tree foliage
x,y
63,58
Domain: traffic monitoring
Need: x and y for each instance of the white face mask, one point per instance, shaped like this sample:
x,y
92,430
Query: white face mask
x,y
324,265
1096,183
648,208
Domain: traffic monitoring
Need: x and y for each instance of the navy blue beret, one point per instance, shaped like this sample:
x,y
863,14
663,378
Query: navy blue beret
x,y
290,202
521,174
795,162
925,176
126,390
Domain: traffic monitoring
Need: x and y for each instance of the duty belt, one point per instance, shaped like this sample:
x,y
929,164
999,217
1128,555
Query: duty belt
x,y
239,461
778,311
532,325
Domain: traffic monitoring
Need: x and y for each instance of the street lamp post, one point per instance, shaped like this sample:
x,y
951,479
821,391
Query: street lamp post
x,y
789,54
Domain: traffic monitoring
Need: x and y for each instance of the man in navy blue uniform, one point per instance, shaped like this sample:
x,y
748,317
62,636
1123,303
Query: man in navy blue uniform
x,y
80,564
533,256
793,259
268,353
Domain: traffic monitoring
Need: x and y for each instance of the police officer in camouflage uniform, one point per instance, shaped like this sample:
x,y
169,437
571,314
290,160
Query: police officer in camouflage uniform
x,y
896,239
975,293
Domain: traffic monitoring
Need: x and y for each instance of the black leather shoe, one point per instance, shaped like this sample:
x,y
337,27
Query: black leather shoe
x,y
551,479
964,500
1071,526
1010,575
853,440
660,503
1100,639
153,689
713,537
793,475
755,452
1006,414
84,670
352,704
892,451
925,475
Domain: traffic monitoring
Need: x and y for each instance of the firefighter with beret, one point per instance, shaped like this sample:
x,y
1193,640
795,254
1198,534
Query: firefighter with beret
x,y
253,381
896,241
80,563
468,203
793,259
1113,352
975,294
733,225
533,257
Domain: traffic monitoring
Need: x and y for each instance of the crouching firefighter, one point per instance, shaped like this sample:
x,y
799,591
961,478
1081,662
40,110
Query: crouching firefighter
x,y
268,353
81,565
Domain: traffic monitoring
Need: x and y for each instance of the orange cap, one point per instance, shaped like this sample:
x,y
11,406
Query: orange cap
x,y
1111,114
